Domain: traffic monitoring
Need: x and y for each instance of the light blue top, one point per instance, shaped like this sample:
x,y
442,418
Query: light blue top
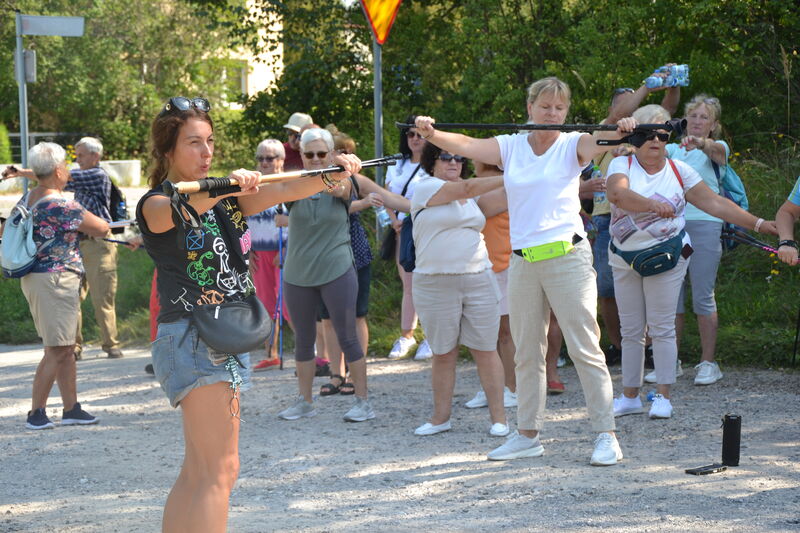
x,y
794,196
701,163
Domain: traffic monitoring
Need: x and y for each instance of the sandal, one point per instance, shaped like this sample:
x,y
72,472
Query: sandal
x,y
329,389
347,388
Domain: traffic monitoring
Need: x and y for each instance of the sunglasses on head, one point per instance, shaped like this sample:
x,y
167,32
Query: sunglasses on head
x,y
663,137
411,134
449,157
181,103
266,158
320,155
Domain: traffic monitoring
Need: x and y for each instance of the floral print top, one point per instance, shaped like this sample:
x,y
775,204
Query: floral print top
x,y
55,232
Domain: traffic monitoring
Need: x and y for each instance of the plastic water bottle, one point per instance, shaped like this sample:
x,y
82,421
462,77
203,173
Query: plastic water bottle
x,y
599,196
677,76
383,217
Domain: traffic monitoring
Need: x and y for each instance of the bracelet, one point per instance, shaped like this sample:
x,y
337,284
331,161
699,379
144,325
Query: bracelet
x,y
758,224
330,185
429,136
788,242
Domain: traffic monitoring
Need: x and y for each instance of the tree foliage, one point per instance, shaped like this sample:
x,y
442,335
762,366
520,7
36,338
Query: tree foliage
x,y
112,81
471,60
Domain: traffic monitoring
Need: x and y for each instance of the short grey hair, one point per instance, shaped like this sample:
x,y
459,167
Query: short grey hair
x,y
45,158
316,134
651,114
92,144
273,145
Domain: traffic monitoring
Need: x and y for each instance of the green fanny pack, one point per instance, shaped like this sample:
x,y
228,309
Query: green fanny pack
x,y
656,259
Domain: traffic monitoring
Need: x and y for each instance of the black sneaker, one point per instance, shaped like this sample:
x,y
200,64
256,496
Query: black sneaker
x,y
77,416
648,357
613,355
37,419
114,353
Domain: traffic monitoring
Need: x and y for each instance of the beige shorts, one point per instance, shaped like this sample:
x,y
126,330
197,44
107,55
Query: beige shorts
x,y
502,283
54,301
458,309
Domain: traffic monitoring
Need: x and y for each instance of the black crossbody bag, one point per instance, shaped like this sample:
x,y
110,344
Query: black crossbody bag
x,y
389,242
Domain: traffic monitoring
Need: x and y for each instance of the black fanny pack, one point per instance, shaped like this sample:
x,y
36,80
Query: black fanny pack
x,y
656,259
232,328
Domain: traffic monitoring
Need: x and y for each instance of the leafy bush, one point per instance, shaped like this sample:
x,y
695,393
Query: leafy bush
x,y
5,145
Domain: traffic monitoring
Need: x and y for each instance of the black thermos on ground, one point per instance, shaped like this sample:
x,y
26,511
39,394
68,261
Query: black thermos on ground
x,y
731,438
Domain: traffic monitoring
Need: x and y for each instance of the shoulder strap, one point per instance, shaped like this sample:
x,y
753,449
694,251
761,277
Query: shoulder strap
x,y
405,187
717,173
675,170
630,160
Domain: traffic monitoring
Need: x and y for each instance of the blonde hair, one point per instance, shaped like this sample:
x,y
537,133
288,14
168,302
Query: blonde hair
x,y
713,105
651,114
550,85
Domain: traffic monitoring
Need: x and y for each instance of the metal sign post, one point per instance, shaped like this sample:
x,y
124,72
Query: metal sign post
x,y
35,25
381,15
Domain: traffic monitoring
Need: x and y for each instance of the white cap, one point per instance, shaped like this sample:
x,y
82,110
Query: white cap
x,y
297,121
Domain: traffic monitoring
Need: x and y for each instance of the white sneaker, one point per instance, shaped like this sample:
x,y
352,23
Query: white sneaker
x,y
606,450
478,401
708,372
661,408
299,409
509,398
517,446
401,347
429,429
423,351
627,406
651,377
499,430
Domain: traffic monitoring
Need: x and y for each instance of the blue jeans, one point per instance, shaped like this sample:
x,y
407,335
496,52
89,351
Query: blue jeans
x,y
605,278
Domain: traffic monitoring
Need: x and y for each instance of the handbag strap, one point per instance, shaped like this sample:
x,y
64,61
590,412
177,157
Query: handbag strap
x,y
671,163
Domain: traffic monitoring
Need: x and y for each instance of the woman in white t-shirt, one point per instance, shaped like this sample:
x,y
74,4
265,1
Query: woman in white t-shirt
x,y
455,291
552,261
648,195
402,179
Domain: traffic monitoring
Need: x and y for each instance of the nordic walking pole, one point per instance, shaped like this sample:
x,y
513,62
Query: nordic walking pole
x,y
218,186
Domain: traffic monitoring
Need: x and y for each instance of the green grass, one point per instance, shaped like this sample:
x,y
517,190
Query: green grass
x,y
757,316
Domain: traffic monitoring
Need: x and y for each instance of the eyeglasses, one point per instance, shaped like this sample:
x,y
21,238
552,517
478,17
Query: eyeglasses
x,y
449,157
320,155
266,158
411,134
663,137
181,103
291,133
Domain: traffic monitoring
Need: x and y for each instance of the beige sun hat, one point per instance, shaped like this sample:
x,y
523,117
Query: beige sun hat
x,y
297,121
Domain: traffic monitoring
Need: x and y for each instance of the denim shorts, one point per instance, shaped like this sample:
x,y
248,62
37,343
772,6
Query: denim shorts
x,y
181,362
605,278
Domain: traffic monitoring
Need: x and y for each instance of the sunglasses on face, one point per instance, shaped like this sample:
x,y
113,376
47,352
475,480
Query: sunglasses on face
x,y
411,134
266,158
663,137
291,134
320,155
181,103
449,157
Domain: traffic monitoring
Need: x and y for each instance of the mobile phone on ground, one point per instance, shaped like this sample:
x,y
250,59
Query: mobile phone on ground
x,y
707,469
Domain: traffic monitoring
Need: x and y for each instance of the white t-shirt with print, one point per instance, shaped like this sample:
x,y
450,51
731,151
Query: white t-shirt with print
x,y
542,191
637,231
397,176
447,237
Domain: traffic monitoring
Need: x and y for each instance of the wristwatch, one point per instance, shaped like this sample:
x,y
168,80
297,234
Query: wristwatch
x,y
788,242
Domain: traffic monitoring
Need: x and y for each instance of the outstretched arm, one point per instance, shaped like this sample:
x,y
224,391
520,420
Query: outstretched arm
x,y
484,150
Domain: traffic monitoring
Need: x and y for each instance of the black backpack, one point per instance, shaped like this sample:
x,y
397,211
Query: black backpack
x,y
118,207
